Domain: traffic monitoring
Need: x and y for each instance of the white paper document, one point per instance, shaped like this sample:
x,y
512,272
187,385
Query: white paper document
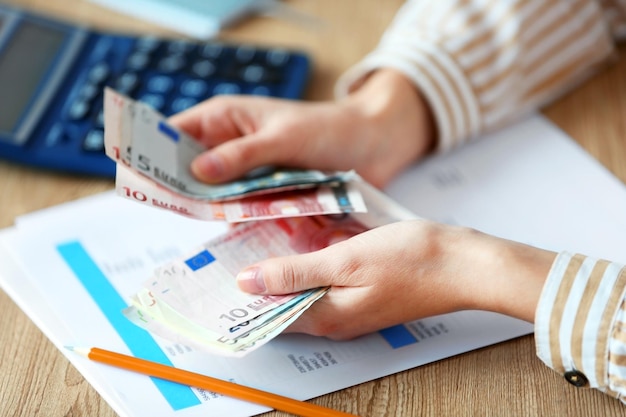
x,y
72,269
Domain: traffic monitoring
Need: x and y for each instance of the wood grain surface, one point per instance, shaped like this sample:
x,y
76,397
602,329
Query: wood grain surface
x,y
502,380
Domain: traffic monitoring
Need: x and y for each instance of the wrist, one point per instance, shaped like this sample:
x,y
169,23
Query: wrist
x,y
392,116
391,101
507,277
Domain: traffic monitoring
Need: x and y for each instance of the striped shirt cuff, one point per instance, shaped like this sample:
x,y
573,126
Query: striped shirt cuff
x,y
438,78
576,320
481,67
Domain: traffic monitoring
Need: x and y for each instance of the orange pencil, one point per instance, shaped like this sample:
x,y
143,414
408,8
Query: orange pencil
x,y
192,379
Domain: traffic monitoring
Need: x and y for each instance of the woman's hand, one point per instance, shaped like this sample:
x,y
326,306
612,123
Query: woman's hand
x,y
377,130
402,272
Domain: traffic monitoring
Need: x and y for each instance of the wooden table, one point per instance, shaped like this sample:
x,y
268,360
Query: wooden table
x,y
502,380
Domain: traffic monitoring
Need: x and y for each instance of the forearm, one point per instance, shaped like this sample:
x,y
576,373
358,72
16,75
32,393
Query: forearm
x,y
577,304
496,274
514,278
481,67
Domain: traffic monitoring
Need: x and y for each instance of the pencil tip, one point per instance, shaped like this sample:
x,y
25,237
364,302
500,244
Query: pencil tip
x,y
80,350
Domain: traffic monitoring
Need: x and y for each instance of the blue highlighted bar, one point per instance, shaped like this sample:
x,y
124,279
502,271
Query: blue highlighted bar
x,y
169,131
200,260
139,341
398,336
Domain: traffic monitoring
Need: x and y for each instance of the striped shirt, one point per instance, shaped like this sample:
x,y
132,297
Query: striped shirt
x,y
580,322
482,64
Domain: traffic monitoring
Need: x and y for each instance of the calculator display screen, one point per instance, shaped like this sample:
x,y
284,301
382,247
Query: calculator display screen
x,y
24,60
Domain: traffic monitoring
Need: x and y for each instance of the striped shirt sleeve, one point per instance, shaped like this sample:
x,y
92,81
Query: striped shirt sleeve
x,y
483,64
580,323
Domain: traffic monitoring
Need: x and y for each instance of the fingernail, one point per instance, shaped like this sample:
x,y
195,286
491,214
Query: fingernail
x,y
251,280
208,166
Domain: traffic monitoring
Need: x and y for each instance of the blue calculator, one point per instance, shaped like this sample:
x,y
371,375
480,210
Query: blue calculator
x,y
52,76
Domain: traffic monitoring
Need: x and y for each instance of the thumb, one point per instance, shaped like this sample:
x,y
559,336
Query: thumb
x,y
235,158
283,275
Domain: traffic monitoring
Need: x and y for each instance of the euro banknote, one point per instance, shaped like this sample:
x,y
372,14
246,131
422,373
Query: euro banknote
x,y
195,300
323,199
139,137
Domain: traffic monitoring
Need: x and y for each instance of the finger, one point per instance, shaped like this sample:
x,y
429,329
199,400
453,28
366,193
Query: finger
x,y
190,120
235,158
209,123
285,275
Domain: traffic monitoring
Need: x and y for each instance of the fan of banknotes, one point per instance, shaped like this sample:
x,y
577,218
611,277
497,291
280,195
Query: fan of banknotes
x,y
153,160
194,300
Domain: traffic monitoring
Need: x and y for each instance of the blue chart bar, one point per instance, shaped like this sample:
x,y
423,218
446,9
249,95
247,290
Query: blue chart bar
x,y
140,343
398,336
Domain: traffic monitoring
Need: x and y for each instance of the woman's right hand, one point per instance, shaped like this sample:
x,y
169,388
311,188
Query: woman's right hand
x,y
377,130
402,272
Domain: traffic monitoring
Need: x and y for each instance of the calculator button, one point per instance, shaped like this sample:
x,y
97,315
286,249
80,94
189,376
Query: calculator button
x,y
160,84
138,61
257,74
277,57
127,83
226,88
253,74
245,54
88,91
194,88
172,63
156,101
94,141
180,47
78,109
147,44
99,73
203,69
261,90
211,50
55,136
99,122
183,103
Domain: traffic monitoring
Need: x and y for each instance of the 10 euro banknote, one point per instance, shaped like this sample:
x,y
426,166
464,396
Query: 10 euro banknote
x,y
195,300
153,160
